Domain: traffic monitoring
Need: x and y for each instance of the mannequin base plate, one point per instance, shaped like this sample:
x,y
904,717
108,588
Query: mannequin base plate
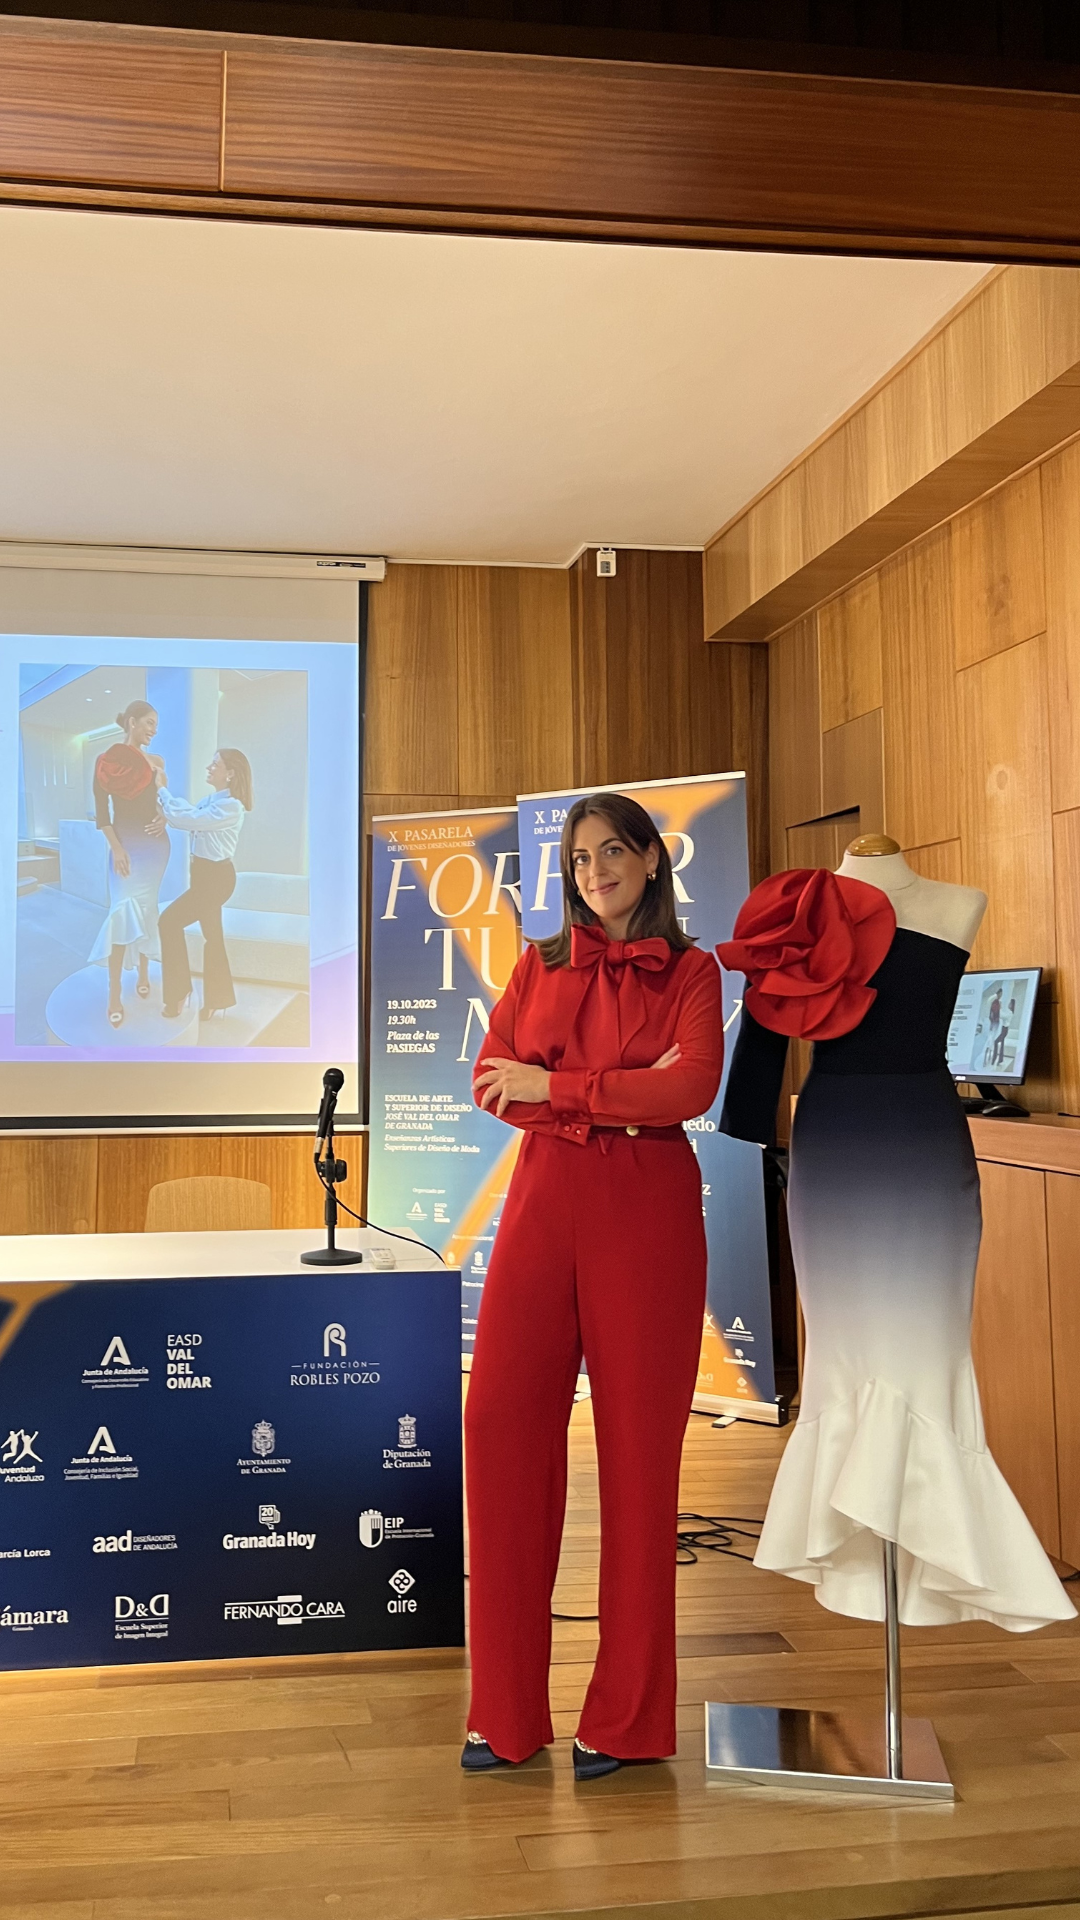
x,y
821,1752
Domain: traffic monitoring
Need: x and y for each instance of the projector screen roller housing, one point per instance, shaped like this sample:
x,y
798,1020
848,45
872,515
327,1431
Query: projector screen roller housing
x,y
216,834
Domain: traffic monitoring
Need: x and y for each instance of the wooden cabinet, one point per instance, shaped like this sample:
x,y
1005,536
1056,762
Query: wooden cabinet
x,y
1026,1333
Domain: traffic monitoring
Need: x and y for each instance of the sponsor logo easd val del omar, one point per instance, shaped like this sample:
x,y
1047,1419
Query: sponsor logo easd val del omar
x,y
375,1528
20,1462
264,1457
138,1619
184,1362
115,1368
406,1453
269,1520
335,1368
288,1610
102,1460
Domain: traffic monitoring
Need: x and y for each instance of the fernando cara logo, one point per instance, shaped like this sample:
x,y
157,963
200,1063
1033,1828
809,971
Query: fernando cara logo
x,y
288,1610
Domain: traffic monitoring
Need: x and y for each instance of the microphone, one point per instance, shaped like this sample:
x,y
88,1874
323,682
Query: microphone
x,y
333,1080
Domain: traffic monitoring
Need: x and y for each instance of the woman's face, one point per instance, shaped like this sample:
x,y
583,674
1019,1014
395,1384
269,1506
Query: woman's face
x,y
217,773
611,876
142,730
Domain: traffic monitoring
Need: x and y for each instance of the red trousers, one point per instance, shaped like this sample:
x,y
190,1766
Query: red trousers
x,y
601,1253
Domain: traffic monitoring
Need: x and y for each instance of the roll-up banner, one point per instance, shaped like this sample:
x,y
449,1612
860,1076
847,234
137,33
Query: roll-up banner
x,y
703,822
445,913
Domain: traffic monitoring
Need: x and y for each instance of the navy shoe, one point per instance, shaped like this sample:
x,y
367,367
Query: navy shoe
x,y
590,1765
477,1757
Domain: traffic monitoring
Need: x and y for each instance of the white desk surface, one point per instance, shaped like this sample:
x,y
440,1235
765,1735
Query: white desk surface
x,y
184,1256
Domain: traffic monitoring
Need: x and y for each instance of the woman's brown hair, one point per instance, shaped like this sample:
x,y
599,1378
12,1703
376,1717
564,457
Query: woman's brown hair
x,y
238,767
654,916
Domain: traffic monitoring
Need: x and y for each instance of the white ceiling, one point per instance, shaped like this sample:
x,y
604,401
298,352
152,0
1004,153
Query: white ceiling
x,y
195,383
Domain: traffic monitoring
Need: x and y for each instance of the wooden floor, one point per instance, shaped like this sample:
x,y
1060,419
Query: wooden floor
x,y
293,1788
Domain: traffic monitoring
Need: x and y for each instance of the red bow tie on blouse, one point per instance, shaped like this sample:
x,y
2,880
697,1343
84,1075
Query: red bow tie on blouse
x,y
619,1010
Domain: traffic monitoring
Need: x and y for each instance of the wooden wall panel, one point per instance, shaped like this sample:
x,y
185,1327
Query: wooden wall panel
x,y
1063,1239
919,695
991,391
942,861
1016,1377
1067,980
998,592
283,1162
794,733
1006,831
129,1165
1061,522
650,698
48,1185
515,692
114,110
849,650
411,717
853,771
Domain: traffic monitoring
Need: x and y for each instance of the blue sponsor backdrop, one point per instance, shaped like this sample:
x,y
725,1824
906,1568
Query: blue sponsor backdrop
x,y
204,1469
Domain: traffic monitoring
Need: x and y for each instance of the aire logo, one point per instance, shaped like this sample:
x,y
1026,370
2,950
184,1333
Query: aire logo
x,y
403,1602
115,1368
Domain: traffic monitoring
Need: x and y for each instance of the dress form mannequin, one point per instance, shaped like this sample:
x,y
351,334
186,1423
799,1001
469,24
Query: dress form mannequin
x,y
933,907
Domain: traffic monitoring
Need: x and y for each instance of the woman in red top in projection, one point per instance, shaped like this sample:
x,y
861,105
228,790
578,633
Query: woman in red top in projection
x,y
607,1038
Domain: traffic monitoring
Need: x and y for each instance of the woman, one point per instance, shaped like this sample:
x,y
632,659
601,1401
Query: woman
x,y
214,825
126,810
608,1037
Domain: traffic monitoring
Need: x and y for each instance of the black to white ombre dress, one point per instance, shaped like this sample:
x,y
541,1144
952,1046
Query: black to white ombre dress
x,y
883,1208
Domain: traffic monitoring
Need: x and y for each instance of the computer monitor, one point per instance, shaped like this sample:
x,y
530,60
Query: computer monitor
x,y
991,1027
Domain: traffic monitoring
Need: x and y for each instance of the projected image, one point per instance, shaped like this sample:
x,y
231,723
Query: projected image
x,y
999,1025
162,877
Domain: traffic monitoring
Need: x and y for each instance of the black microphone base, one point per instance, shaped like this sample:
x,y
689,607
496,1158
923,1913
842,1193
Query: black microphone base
x,y
331,1257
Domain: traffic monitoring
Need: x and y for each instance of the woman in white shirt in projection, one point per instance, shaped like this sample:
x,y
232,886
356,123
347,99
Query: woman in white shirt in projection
x,y
214,825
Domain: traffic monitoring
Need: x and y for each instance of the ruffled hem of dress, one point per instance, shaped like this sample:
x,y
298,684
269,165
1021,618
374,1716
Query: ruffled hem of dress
x,y
126,925
870,1469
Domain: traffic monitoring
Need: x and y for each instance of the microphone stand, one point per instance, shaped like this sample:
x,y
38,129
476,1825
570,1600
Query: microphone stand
x,y
330,1170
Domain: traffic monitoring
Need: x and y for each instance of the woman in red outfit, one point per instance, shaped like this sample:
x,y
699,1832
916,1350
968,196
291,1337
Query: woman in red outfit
x,y
607,1038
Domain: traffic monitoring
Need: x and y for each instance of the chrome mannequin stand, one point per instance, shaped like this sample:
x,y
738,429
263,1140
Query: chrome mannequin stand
x,y
838,1752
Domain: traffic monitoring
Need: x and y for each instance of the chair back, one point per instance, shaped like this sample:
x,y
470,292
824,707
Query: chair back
x,y
207,1203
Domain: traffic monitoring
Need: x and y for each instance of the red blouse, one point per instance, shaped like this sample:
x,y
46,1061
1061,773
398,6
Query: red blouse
x,y
599,1024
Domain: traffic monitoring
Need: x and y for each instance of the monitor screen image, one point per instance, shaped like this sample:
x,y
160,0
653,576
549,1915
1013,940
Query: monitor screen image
x,y
991,1026
153,957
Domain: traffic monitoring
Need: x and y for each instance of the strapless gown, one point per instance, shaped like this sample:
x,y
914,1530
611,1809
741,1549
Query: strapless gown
x,y
885,1221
